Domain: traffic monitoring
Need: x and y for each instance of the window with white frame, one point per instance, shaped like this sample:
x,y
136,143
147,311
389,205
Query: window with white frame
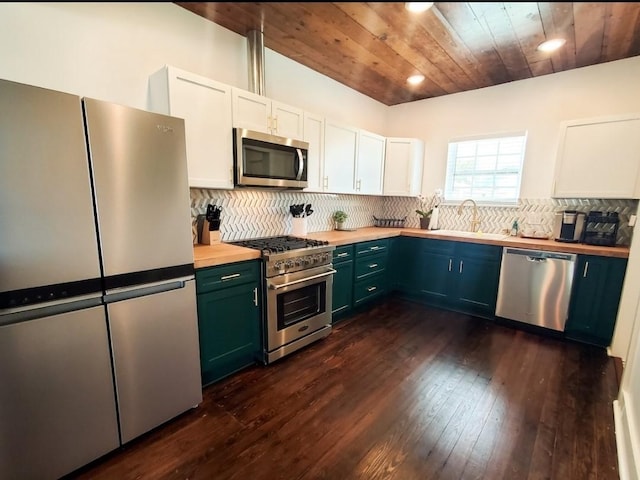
x,y
486,169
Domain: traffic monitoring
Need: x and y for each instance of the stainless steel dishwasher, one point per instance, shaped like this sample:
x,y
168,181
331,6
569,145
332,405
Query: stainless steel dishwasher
x,y
535,287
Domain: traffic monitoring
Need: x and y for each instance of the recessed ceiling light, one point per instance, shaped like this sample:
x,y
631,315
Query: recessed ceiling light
x,y
551,45
418,7
415,79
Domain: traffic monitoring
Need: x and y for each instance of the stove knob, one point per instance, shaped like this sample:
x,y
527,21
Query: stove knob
x,y
289,264
277,265
298,262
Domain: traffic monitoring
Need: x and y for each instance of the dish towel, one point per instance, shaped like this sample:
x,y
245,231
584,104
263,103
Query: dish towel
x,y
433,224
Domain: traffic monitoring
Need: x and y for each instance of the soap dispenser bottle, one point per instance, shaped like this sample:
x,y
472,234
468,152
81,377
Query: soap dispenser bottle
x,y
514,228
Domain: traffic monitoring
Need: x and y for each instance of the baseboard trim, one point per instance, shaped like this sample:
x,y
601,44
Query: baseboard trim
x,y
626,459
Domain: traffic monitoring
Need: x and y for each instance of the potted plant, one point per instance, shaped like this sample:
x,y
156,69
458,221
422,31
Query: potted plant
x,y
339,217
425,218
426,210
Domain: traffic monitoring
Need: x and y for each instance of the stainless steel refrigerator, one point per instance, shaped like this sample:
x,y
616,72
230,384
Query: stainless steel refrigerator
x,y
98,327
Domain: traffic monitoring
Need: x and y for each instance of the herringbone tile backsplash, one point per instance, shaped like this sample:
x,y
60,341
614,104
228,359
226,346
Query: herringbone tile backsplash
x,y
264,213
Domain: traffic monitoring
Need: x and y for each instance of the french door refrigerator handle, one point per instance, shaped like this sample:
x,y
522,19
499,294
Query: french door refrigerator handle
x,y
146,289
48,309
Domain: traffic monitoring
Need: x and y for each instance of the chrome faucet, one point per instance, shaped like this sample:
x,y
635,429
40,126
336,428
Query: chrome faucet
x,y
475,222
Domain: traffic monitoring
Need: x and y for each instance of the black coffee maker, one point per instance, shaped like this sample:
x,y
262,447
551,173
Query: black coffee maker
x,y
601,228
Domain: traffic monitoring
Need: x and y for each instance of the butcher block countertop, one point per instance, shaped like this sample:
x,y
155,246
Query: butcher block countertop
x,y
223,253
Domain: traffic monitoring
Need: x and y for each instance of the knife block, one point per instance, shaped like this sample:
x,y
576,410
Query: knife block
x,y
208,232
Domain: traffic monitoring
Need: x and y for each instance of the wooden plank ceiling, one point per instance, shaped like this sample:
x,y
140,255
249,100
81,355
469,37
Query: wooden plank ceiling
x,y
374,47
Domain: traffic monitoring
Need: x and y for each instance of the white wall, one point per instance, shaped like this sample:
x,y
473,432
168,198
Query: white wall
x,y
536,105
108,50
627,406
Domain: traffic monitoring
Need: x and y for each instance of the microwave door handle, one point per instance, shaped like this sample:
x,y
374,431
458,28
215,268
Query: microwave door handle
x,y
300,164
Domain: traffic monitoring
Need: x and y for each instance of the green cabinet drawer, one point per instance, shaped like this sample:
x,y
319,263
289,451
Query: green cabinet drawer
x,y
370,265
223,276
372,247
369,289
345,252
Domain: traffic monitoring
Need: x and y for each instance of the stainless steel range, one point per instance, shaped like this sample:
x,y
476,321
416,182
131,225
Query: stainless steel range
x,y
298,281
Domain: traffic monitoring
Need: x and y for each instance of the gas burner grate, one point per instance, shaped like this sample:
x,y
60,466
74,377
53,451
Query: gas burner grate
x,y
280,244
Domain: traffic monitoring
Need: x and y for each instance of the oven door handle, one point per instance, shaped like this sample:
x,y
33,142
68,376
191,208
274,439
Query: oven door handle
x,y
273,286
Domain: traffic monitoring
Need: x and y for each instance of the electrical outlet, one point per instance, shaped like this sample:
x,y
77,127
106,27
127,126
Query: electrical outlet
x,y
632,220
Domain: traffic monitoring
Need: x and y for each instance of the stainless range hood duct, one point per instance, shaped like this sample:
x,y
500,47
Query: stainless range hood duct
x,y
255,57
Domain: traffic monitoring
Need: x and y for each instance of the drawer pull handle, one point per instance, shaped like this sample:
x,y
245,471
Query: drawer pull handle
x,y
586,269
371,289
228,277
375,248
449,264
373,265
460,266
343,254
255,296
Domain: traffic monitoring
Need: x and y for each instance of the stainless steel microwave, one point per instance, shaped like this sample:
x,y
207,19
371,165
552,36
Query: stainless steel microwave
x,y
263,160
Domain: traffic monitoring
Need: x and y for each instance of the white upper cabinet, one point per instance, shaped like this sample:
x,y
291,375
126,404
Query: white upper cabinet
x,y
314,136
205,106
261,114
369,172
353,160
599,158
340,148
403,166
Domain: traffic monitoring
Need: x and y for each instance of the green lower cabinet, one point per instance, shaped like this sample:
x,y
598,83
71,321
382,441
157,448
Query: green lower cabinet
x,y
447,274
229,325
370,276
595,297
436,279
477,285
405,265
342,288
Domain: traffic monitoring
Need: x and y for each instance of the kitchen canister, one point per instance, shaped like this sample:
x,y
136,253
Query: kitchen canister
x,y
299,226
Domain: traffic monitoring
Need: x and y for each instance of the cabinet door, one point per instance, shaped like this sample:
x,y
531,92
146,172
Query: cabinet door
x,y
205,106
251,111
314,136
476,287
287,121
370,163
340,143
595,298
435,284
342,287
403,166
599,158
406,265
229,328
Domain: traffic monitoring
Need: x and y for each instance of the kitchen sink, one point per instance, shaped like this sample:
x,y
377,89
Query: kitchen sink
x,y
467,234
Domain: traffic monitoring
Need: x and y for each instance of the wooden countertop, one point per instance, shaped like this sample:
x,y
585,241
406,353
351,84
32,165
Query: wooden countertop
x,y
223,253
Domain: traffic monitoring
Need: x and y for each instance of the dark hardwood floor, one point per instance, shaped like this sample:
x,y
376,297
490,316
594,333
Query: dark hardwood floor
x,y
402,391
